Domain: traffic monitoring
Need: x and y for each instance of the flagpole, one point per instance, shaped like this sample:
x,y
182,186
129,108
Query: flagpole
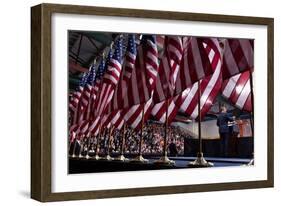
x,y
164,159
140,158
74,147
88,147
97,157
108,157
121,157
252,113
69,147
200,160
81,146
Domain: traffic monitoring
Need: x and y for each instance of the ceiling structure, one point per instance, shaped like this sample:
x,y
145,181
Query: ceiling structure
x,y
83,48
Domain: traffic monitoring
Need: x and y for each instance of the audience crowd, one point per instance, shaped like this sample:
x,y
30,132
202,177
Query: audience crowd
x,y
152,144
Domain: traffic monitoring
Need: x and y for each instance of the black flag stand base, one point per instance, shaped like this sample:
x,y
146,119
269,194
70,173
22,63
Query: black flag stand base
x,y
121,158
139,159
164,160
200,162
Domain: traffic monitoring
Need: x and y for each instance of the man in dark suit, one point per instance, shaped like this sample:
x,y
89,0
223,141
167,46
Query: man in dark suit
x,y
222,122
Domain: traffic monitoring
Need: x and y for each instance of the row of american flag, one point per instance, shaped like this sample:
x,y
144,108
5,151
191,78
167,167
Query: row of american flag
x,y
149,75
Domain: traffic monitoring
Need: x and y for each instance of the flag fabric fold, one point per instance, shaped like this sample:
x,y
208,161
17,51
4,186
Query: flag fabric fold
x,y
238,56
237,90
138,74
107,85
195,64
159,111
168,69
209,88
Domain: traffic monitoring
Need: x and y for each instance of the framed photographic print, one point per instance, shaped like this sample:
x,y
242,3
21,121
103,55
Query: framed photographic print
x,y
130,102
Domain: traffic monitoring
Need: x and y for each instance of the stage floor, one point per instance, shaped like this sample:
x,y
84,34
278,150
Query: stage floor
x,y
77,165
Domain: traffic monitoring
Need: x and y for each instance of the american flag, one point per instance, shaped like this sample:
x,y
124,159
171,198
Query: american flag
x,y
110,79
137,78
168,69
194,58
238,56
75,99
148,59
107,86
95,89
94,123
209,87
159,111
87,94
120,95
114,119
133,115
237,90
73,130
130,58
195,63
83,127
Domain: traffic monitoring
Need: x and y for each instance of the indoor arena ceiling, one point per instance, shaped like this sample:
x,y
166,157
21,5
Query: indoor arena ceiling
x,y
83,47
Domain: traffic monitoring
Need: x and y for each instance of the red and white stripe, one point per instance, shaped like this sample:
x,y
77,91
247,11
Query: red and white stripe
x,y
209,87
143,71
72,137
237,90
94,95
94,126
238,56
84,126
168,69
106,90
89,106
114,119
108,85
80,128
130,58
159,111
73,130
133,116
94,120
74,104
125,76
74,100
84,102
195,63
150,54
